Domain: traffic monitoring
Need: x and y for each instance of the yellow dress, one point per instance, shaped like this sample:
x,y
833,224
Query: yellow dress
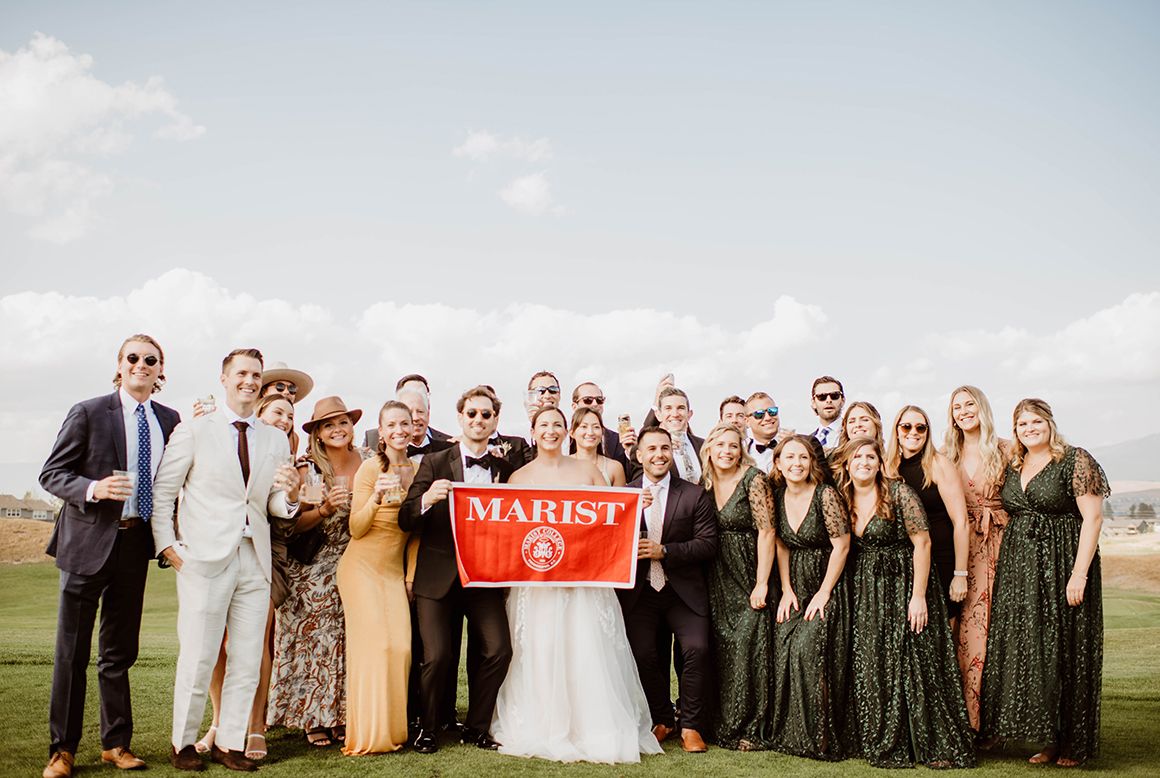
x,y
378,621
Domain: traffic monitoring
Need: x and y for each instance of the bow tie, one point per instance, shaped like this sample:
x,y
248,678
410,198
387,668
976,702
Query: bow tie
x,y
484,461
412,449
763,447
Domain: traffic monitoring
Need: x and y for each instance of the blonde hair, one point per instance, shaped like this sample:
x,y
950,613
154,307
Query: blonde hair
x,y
1055,441
317,452
714,435
990,451
142,338
894,451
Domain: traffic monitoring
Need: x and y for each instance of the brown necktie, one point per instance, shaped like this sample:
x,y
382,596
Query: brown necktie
x,y
243,450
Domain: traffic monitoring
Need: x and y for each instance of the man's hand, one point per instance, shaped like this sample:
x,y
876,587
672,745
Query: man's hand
x,y
649,549
628,439
173,558
437,493
115,487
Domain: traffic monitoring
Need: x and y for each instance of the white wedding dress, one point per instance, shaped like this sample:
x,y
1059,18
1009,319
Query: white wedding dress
x,y
572,691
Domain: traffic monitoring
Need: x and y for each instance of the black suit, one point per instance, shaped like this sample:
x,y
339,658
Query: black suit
x,y
519,452
690,541
99,563
441,601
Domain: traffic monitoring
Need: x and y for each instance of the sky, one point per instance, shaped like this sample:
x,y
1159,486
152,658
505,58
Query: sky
x,y
910,196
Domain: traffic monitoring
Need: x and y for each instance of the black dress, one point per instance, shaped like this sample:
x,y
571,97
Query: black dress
x,y
942,531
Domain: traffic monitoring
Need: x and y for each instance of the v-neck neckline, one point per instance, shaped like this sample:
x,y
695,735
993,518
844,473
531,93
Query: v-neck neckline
x,y
1023,485
809,507
732,494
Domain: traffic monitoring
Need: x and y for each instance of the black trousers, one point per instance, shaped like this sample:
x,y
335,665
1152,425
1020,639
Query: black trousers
x,y
415,682
119,589
651,612
489,652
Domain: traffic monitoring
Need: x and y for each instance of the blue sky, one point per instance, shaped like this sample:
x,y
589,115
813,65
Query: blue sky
x,y
942,192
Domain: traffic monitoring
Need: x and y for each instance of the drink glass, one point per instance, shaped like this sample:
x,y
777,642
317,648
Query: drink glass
x,y
623,423
208,403
394,493
131,475
342,482
312,488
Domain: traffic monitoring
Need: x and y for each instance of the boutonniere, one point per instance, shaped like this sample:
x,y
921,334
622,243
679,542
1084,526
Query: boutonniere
x,y
500,449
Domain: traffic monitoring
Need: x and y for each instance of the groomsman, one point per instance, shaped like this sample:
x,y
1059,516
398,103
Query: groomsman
x,y
762,416
102,546
422,434
679,535
440,599
827,399
673,414
732,411
233,473
589,395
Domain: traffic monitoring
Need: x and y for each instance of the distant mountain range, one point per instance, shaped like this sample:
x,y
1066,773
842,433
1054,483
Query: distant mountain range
x,y
1132,460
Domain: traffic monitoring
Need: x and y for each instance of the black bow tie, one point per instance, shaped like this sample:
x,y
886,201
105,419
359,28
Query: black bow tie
x,y
484,461
763,447
412,449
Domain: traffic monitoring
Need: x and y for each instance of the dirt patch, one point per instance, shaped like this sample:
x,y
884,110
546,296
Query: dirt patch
x,y
1137,573
23,540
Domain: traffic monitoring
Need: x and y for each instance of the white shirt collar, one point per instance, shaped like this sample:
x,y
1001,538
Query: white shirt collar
x,y
129,403
661,484
232,417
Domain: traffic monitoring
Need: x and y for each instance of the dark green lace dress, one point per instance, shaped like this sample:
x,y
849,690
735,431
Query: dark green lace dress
x,y
907,690
1041,680
742,636
812,711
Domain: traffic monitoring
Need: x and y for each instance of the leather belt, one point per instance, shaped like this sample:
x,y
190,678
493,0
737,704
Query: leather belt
x,y
129,523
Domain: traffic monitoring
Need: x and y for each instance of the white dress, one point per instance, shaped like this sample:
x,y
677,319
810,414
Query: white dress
x,y
572,691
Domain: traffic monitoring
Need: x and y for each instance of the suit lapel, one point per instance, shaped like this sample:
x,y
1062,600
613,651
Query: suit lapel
x,y
221,430
116,418
456,463
671,505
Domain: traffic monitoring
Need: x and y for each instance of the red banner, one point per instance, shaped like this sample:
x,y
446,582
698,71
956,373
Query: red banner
x,y
545,536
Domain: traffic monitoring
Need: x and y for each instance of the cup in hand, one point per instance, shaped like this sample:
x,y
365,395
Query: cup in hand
x,y
131,477
342,482
394,492
208,403
312,488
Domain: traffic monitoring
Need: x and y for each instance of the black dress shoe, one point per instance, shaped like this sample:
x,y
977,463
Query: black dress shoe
x,y
425,742
478,739
234,760
185,759
454,728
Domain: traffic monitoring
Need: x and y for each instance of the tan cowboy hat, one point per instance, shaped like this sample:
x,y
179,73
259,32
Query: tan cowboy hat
x,y
328,408
277,371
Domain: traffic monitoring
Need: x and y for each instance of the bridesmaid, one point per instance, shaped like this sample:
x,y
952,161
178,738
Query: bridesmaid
x,y
980,457
1045,649
912,457
907,688
811,659
374,598
739,589
860,420
310,656
587,431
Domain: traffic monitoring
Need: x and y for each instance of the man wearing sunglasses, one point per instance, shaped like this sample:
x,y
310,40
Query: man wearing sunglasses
x,y
764,422
102,546
440,600
827,398
589,395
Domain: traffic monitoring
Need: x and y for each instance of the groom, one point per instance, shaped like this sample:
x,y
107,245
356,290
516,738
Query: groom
x,y
440,600
678,536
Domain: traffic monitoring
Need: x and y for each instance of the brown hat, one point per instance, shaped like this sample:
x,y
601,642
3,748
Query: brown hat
x,y
328,408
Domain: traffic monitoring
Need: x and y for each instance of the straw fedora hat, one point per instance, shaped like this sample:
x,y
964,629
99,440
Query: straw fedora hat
x,y
277,371
328,408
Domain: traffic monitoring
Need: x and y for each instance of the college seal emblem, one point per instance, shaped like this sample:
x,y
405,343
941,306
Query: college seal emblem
x,y
543,548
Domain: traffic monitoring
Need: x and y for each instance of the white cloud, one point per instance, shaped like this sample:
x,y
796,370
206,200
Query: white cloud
x,y
529,194
481,146
57,119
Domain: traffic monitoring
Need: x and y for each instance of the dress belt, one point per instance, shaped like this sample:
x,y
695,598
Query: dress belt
x,y
129,523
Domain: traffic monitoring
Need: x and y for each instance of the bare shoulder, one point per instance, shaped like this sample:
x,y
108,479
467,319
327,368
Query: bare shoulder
x,y
525,475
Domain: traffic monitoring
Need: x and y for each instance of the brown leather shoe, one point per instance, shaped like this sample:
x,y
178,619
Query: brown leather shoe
x,y
691,741
661,732
234,760
59,766
123,759
185,759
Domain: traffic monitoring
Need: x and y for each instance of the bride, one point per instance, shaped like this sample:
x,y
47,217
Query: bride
x,y
572,691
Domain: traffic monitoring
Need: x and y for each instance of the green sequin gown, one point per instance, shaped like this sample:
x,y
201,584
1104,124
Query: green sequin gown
x,y
1041,680
742,636
812,687
907,690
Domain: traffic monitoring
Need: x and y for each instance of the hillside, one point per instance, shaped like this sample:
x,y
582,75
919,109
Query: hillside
x,y
1132,460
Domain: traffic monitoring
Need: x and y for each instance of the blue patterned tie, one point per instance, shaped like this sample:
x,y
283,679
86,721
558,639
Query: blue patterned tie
x,y
144,467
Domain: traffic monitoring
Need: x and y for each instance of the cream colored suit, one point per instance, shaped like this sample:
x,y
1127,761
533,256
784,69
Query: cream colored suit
x,y
224,579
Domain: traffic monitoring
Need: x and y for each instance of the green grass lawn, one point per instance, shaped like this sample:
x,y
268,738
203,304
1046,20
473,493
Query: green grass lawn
x,y
1131,705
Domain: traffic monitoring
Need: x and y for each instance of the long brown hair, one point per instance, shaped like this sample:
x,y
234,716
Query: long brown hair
x,y
840,462
869,408
381,449
894,450
578,417
817,471
1041,409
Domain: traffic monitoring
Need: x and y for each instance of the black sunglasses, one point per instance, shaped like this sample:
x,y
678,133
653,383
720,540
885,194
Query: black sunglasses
x,y
828,396
906,426
591,401
542,390
285,387
135,358
472,412
759,415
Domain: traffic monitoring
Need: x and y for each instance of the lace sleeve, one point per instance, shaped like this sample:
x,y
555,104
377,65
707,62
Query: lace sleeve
x,y
908,508
760,501
1087,476
834,512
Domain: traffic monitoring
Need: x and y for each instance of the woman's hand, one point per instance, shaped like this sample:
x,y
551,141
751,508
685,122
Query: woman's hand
x,y
337,499
916,613
1075,589
758,595
817,606
788,603
958,590
382,484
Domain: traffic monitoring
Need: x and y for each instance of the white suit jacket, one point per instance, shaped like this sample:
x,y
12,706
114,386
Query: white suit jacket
x,y
201,461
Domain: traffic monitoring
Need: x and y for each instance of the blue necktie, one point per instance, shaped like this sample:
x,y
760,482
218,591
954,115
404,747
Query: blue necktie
x,y
144,467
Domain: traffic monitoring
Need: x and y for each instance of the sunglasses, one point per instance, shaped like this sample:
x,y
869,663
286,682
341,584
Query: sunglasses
x,y
539,391
283,387
906,426
759,415
828,396
471,413
133,359
591,401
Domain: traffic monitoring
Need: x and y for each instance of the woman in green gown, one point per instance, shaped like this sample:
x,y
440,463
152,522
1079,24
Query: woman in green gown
x,y
907,691
812,637
739,589
1045,650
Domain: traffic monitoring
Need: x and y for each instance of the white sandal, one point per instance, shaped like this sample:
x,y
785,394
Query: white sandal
x,y
206,743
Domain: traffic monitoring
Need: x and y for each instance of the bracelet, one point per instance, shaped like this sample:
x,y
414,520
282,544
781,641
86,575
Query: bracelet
x,y
960,573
